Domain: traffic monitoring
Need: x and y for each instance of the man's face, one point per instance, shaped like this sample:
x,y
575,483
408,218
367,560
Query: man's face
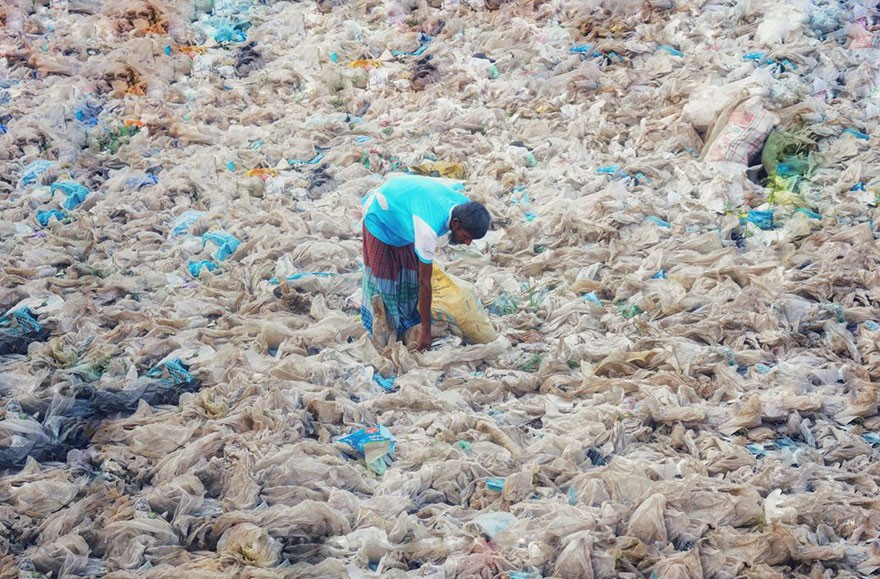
x,y
458,235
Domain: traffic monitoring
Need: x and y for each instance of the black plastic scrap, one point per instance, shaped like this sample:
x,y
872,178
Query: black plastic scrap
x,y
18,330
70,421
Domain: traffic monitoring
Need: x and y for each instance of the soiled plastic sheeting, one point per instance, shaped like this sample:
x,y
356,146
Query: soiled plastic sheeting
x,y
303,275
605,411
73,429
491,524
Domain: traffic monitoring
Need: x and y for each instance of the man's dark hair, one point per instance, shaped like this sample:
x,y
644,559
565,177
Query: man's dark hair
x,y
473,217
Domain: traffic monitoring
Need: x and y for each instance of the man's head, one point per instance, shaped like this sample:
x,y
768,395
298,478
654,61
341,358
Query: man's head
x,y
469,221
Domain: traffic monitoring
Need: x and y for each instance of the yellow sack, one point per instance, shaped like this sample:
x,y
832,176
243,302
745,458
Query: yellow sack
x,y
455,301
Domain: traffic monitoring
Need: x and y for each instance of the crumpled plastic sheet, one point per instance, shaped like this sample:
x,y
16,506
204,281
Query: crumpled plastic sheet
x,y
685,379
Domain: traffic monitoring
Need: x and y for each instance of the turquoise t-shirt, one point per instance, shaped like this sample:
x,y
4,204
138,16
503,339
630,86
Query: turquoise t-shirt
x,y
411,209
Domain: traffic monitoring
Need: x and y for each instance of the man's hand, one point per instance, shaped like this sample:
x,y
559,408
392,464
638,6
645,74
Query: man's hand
x,y
424,342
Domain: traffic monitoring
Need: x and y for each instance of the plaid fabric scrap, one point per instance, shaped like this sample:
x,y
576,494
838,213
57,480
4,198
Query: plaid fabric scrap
x,y
391,272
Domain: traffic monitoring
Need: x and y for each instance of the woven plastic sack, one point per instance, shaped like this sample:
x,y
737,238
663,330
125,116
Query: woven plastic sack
x,y
740,132
455,301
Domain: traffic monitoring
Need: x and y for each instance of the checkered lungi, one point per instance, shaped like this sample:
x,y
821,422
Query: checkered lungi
x,y
393,273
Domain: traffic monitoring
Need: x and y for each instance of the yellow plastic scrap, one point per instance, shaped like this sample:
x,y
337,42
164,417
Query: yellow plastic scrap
x,y
366,63
440,169
262,173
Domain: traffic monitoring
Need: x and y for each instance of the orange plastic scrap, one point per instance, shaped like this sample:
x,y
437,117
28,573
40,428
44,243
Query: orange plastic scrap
x,y
133,123
192,50
366,63
262,173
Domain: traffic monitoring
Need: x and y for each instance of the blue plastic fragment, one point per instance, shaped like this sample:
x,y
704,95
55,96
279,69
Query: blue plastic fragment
x,y
873,326
385,383
572,496
173,371
758,56
857,134
195,267
75,192
147,180
671,50
530,216
313,161
871,438
25,321
860,186
33,171
495,484
592,297
230,33
808,213
756,449
167,50
334,57
87,113
763,219
608,170
657,221
44,216
226,243
659,275
763,369
3,129
581,49
785,442
186,220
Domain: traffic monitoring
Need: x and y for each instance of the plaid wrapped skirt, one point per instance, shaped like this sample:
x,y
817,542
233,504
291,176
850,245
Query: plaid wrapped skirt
x,y
392,273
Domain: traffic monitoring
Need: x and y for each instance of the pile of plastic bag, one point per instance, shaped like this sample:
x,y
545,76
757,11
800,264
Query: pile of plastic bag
x,y
682,275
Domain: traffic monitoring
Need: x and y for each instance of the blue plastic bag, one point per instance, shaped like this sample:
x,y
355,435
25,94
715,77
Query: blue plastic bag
x,y
173,371
195,267
371,443
763,219
183,223
75,192
385,383
33,171
44,216
24,320
226,243
87,113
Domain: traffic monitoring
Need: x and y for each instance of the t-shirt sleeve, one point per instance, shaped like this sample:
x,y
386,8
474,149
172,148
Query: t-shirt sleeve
x,y
426,240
